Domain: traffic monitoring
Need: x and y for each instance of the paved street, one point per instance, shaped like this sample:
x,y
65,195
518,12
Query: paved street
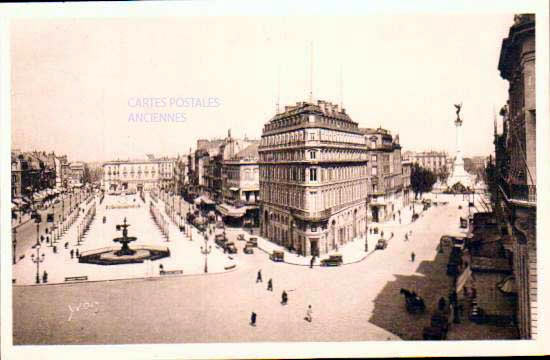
x,y
26,233
358,301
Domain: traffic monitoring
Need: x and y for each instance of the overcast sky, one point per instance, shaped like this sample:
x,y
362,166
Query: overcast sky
x,y
77,85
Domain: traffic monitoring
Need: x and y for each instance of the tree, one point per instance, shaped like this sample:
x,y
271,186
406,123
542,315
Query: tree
x,y
422,180
86,174
443,174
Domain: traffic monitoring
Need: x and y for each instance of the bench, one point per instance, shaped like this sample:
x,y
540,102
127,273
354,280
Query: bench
x,y
171,272
76,278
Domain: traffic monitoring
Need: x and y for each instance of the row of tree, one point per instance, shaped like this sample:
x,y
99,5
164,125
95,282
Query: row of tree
x,y
422,180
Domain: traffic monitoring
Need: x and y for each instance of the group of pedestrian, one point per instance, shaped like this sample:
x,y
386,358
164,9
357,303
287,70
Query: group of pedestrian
x,y
284,300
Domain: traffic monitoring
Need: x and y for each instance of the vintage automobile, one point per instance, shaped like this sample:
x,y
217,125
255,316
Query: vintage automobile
x,y
332,260
220,239
381,244
248,249
277,256
231,248
253,241
240,237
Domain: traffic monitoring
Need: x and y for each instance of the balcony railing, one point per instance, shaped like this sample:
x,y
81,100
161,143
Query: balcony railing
x,y
312,215
521,192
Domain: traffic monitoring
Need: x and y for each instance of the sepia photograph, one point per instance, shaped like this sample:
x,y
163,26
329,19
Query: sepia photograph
x,y
227,177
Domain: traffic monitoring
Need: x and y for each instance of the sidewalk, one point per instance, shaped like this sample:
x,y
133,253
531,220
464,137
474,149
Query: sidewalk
x,y
352,252
15,223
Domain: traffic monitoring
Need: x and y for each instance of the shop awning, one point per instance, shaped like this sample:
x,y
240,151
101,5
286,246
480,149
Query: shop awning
x,y
234,188
228,210
207,201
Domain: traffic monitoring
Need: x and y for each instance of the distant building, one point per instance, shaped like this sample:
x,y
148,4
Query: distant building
x,y
76,174
153,173
515,151
386,190
435,161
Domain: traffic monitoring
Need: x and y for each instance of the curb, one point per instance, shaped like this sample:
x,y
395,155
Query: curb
x,y
347,263
234,268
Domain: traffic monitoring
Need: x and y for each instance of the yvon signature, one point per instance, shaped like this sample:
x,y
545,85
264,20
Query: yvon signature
x,y
89,307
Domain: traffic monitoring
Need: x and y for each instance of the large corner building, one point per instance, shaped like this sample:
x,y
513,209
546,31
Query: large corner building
x,y
313,178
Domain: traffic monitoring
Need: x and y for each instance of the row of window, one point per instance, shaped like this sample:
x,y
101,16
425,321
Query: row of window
x,y
299,173
322,154
299,136
242,174
316,200
311,118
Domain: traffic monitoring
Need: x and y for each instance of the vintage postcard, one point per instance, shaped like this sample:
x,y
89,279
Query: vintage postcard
x,y
271,180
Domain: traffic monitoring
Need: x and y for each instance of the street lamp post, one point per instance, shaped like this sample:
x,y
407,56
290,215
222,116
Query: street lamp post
x,y
206,250
14,243
37,260
37,233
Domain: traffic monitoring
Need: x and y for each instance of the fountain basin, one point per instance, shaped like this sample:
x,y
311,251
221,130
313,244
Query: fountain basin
x,y
108,255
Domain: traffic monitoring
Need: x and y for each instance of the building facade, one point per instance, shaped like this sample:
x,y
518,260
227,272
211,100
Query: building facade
x,y
137,175
313,178
515,151
76,174
435,161
386,190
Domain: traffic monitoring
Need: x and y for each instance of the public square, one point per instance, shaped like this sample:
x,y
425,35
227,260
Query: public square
x,y
358,301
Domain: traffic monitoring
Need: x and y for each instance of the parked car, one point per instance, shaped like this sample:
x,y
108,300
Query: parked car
x,y
248,249
253,241
381,244
241,237
332,260
231,248
277,256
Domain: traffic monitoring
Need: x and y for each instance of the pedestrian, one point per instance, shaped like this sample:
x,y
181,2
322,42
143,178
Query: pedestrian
x,y
406,237
47,239
312,261
72,253
45,277
270,285
413,256
442,304
259,276
41,238
309,314
284,298
253,319
77,255
67,245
